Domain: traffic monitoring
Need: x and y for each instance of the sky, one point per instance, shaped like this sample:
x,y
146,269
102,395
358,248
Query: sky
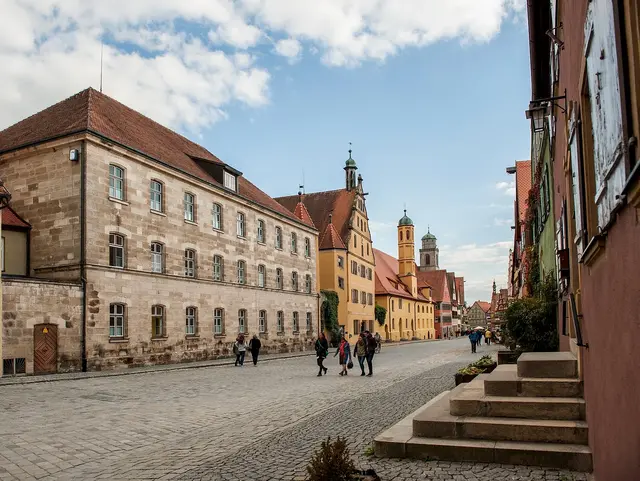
x,y
431,94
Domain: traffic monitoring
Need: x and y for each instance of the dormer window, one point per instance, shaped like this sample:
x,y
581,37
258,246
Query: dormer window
x,y
230,181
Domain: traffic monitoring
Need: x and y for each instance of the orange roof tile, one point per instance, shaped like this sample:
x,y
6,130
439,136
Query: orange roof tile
x,y
460,289
523,186
331,239
387,280
94,112
438,282
485,306
320,205
10,218
302,213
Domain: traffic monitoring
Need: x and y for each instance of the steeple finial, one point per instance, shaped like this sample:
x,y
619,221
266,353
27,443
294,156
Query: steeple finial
x,y
350,150
331,217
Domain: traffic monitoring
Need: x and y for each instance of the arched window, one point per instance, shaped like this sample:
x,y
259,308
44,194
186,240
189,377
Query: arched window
x,y
157,195
279,282
217,217
242,321
190,263
116,182
218,268
400,235
261,234
262,321
307,247
427,259
307,284
157,257
294,242
116,250
189,207
294,281
296,322
280,321
240,225
241,272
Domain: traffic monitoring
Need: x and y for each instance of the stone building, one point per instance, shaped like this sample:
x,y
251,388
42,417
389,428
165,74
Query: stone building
x,y
478,314
410,310
429,253
170,251
346,261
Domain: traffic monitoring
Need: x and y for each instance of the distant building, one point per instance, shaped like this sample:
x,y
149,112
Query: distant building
x,y
479,313
429,253
441,296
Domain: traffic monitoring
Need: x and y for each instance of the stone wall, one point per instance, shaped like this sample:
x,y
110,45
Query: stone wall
x,y
27,302
140,291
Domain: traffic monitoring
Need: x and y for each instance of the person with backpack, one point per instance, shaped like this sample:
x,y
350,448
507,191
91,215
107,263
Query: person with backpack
x,y
371,350
240,349
360,350
344,349
473,339
254,347
322,351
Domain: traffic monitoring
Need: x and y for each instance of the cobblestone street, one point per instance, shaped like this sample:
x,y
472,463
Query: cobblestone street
x,y
226,423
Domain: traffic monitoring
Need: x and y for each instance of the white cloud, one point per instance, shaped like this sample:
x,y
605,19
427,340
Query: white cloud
x,y
507,188
177,62
501,222
289,47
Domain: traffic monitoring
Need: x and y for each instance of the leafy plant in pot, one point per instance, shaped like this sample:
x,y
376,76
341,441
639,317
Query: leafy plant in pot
x,y
467,374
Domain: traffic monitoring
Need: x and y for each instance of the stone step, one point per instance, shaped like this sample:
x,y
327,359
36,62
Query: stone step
x,y
473,402
504,381
547,365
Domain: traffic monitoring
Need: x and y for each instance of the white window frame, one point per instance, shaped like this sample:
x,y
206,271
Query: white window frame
x,y
294,243
117,312
278,237
279,278
355,296
261,229
157,315
294,281
216,220
296,322
241,225
116,182
280,317
242,272
341,262
262,276
307,283
189,207
230,181
309,322
115,246
191,319
218,321
307,247
157,257
218,268
190,262
242,321
262,321
156,195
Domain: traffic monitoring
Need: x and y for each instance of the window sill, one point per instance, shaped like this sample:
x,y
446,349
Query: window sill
x,y
281,333
163,338
118,340
243,237
296,333
186,221
219,336
157,212
192,337
215,229
262,243
117,267
594,249
118,201
278,248
294,253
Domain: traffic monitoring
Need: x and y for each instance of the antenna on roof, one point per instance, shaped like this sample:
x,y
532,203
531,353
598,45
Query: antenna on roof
x,y
101,57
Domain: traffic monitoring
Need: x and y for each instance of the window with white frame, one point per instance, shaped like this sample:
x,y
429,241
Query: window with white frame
x,y
278,238
354,296
157,321
156,195
116,182
189,207
369,273
116,250
307,247
191,320
262,321
341,262
280,321
218,320
370,299
296,322
294,281
242,321
217,217
294,243
363,271
230,181
279,280
363,298
354,267
117,320
261,231
309,322
190,263
240,226
218,268
157,257
307,284
262,275
242,268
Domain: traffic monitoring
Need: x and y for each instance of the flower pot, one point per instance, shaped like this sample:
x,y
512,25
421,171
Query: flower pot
x,y
489,368
464,378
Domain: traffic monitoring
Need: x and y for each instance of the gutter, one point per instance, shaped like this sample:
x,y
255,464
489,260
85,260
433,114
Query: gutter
x,y
83,253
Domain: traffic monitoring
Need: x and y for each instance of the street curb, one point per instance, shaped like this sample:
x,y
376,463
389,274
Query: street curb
x,y
78,376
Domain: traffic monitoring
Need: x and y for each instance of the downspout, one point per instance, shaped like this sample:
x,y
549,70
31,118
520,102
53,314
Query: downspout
x,y
83,260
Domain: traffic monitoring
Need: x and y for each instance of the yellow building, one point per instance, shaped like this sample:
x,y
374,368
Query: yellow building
x,y
410,309
346,262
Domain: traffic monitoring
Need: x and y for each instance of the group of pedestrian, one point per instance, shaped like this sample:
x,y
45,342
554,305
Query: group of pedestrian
x,y
476,336
240,349
364,349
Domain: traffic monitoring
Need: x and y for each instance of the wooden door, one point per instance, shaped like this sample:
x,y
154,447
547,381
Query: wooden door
x,y
45,348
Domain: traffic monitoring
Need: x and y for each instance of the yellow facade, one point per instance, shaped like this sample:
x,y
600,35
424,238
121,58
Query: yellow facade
x,y
407,319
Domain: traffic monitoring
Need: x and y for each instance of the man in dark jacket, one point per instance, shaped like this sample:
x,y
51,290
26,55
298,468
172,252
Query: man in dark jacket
x,y
254,347
371,350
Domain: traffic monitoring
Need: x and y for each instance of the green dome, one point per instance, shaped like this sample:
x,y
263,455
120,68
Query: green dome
x,y
428,236
405,220
350,162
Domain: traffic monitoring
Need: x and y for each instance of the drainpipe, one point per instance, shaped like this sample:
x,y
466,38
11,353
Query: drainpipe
x,y
83,260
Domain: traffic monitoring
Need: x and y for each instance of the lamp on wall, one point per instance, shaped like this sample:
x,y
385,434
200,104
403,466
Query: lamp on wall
x,y
539,109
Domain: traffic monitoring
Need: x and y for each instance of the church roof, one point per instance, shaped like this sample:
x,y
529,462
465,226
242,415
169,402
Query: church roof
x,y
405,220
93,112
428,236
387,280
331,239
350,162
302,213
11,219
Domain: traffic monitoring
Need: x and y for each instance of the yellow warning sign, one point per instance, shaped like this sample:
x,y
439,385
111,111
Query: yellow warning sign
x,y
45,331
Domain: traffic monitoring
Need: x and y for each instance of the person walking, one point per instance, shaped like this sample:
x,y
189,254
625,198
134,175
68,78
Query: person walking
x,y
344,349
371,350
487,336
254,347
360,350
322,350
472,340
240,349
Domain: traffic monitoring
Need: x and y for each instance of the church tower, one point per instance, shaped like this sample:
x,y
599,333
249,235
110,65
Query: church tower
x,y
406,254
350,169
429,254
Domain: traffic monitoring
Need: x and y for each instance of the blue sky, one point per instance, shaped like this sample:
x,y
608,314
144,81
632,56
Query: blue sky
x,y
431,94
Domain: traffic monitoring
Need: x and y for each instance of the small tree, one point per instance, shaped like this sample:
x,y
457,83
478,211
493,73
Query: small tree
x,y
332,462
381,315
330,311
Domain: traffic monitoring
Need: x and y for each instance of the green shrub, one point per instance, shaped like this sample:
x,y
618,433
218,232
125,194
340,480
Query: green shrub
x,y
381,315
330,312
332,462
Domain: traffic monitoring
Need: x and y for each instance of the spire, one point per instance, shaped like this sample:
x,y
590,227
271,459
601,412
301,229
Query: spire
x,y
494,286
405,220
350,168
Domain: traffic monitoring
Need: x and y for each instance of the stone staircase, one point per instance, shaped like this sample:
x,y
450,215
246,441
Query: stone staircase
x,y
531,413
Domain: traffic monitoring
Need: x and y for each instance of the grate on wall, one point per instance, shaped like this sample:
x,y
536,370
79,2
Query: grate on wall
x,y
11,367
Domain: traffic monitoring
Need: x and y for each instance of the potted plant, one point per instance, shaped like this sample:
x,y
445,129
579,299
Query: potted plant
x,y
487,363
467,374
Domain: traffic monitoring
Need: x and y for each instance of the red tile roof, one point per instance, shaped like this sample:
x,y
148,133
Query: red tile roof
x,y
330,239
320,205
387,280
302,213
485,306
460,289
438,282
523,186
10,218
92,111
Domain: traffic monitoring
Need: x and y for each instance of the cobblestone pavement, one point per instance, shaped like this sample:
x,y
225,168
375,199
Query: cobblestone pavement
x,y
229,423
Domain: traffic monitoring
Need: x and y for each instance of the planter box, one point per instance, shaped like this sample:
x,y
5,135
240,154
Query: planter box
x,y
489,368
508,357
464,378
